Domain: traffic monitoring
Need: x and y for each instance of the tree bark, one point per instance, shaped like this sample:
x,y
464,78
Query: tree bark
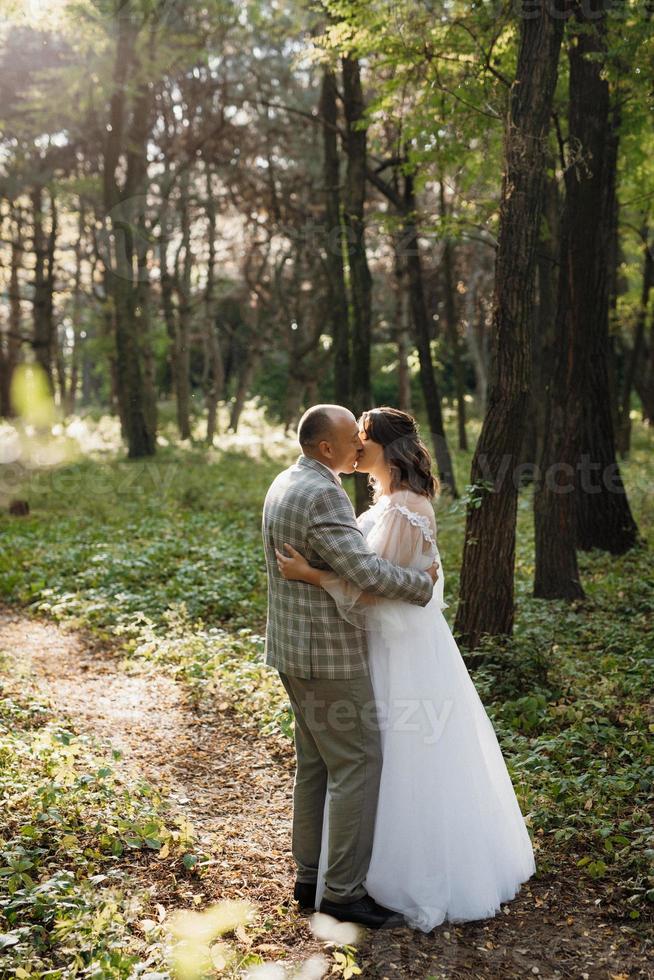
x,y
122,205
423,338
214,366
486,605
603,515
402,332
359,274
11,345
338,315
183,332
447,266
43,339
635,355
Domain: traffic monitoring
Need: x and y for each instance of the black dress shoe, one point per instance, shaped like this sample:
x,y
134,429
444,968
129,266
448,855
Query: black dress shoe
x,y
365,911
305,893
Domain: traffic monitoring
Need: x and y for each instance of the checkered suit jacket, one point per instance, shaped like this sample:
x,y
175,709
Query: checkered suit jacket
x,y
305,636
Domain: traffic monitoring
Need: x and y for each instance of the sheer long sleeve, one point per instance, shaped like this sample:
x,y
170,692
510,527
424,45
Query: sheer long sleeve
x,y
404,534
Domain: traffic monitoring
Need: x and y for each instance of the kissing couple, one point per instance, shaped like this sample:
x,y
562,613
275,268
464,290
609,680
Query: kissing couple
x,y
403,808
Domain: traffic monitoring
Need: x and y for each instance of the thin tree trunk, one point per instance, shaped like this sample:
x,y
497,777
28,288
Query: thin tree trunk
x,y
545,340
634,356
402,334
486,605
183,282
338,316
43,341
244,383
423,339
359,274
214,365
447,265
475,335
11,350
71,392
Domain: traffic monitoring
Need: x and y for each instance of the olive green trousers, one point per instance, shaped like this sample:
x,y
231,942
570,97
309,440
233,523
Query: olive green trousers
x,y
338,746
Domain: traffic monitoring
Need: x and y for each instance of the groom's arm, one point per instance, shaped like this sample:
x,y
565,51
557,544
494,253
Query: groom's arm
x,y
334,534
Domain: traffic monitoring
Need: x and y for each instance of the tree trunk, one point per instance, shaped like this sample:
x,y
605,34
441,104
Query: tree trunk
x,y
635,355
476,339
423,339
604,518
11,348
71,391
402,332
183,282
447,265
338,316
214,365
486,605
43,340
557,572
122,205
359,274
245,378
545,340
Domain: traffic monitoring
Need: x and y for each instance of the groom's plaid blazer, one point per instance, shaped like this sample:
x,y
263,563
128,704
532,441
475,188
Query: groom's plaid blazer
x,y
307,508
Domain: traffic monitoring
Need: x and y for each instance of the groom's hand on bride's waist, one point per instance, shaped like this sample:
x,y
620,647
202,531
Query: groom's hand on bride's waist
x,y
433,571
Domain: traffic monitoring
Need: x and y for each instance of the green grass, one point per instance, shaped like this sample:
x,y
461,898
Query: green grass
x,y
166,556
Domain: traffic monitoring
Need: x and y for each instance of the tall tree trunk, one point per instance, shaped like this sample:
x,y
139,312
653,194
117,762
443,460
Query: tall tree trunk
x,y
359,274
486,605
545,340
402,331
423,338
447,266
11,347
122,205
183,281
71,391
476,339
214,365
338,316
635,355
604,518
557,571
43,340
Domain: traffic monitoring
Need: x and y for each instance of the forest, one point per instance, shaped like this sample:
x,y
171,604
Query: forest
x,y
214,215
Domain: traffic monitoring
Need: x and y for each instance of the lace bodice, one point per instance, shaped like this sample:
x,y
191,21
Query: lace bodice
x,y
401,528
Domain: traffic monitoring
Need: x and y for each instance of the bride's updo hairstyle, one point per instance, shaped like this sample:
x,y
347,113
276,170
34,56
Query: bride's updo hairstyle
x,y
404,450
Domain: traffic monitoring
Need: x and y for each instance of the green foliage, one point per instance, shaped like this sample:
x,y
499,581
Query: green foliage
x,y
73,829
568,693
106,542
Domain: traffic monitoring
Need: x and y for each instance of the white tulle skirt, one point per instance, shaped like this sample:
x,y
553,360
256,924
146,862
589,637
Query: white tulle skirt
x,y
450,840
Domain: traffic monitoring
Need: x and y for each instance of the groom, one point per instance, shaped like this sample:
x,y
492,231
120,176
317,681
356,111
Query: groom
x,y
322,662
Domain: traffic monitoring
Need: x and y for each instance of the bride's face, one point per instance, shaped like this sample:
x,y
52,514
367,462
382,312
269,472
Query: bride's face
x,y
372,458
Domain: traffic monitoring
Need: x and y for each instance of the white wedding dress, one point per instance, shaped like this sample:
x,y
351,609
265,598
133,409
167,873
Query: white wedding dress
x,y
450,841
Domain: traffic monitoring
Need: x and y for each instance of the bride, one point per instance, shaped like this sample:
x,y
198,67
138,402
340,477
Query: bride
x,y
450,841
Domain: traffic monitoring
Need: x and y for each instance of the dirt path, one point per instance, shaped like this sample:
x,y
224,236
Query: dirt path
x,y
236,789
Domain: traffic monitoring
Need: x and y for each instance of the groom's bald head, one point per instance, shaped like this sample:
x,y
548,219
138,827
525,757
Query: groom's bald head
x,y
329,433
317,424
